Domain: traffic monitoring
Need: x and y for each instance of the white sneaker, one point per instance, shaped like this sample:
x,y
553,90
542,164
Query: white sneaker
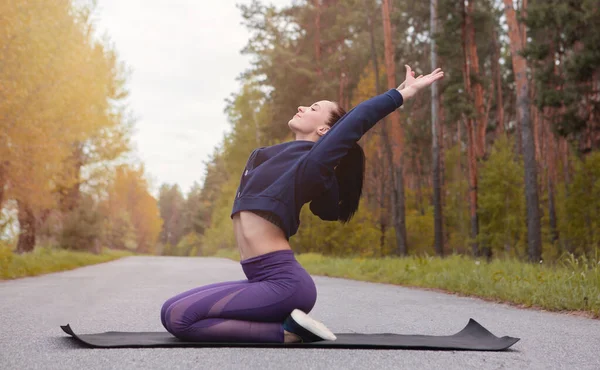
x,y
307,328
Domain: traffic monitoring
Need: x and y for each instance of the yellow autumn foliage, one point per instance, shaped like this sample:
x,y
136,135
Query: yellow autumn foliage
x,y
129,202
62,117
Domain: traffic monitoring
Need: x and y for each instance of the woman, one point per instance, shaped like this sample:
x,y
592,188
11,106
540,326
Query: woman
x,y
323,166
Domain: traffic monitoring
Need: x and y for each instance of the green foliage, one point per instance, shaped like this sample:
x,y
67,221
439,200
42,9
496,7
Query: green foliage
x,y
456,205
120,232
194,211
82,227
220,234
190,245
582,206
566,34
171,204
6,258
419,228
359,237
502,201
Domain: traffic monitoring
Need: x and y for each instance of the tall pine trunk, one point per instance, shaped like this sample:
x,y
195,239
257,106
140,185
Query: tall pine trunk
x,y
480,123
383,130
398,201
551,157
534,238
317,40
498,82
435,122
471,137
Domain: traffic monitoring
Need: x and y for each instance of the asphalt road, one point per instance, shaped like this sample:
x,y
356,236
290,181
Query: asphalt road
x,y
126,295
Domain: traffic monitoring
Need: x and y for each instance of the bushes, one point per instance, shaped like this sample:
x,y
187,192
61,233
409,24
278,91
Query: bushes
x,y
82,227
503,226
579,223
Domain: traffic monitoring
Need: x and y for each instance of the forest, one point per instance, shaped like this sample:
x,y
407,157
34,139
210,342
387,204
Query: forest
x,y
500,159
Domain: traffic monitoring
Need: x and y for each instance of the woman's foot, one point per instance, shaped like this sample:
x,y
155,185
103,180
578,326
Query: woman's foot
x,y
299,327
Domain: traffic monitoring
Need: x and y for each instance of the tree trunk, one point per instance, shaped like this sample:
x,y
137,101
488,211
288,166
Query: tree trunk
x,y
26,218
438,228
2,184
419,184
480,123
442,144
552,211
550,159
534,239
459,170
498,78
535,124
472,166
71,197
564,152
398,204
317,41
383,132
399,214
471,143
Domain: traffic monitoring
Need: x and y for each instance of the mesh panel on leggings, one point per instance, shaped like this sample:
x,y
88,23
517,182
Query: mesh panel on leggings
x,y
188,310
193,318
225,330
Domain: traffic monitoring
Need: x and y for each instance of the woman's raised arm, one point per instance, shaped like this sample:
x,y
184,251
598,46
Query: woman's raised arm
x,y
332,146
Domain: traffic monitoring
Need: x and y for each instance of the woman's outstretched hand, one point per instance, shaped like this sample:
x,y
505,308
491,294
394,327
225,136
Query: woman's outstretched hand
x,y
411,85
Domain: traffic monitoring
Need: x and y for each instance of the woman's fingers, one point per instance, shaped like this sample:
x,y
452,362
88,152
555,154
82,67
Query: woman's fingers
x,y
428,80
408,70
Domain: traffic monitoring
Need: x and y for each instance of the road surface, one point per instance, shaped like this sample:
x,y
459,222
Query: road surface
x,y
126,295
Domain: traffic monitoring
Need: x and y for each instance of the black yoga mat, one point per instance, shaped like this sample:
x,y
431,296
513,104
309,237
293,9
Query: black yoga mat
x,y
473,337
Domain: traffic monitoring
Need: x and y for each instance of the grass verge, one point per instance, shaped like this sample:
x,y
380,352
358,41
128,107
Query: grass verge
x,y
571,285
46,260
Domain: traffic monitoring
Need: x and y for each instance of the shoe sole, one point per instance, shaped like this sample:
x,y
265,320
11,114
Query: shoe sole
x,y
312,325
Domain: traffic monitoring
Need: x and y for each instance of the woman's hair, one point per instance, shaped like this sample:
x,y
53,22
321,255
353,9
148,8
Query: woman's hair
x,y
350,173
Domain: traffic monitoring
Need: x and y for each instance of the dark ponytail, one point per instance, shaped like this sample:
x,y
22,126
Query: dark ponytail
x,y
350,173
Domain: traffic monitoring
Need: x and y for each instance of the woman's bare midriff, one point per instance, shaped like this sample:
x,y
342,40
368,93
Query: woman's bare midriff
x,y
256,236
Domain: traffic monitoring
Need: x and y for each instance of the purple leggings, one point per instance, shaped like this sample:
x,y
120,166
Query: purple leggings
x,y
250,310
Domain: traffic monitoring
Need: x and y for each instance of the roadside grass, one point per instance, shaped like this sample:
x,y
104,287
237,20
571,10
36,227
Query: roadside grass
x,y
571,284
44,260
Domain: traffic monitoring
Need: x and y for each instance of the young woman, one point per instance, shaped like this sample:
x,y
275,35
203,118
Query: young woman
x,y
323,166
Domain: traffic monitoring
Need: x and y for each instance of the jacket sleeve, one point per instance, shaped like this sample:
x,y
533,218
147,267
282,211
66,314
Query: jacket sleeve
x,y
352,126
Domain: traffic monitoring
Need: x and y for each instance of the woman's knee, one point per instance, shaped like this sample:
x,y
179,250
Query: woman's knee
x,y
163,313
176,327
174,324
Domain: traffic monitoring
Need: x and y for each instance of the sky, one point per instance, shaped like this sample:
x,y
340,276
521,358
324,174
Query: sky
x,y
184,57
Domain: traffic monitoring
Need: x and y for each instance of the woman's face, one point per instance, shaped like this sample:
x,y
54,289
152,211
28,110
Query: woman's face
x,y
312,119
